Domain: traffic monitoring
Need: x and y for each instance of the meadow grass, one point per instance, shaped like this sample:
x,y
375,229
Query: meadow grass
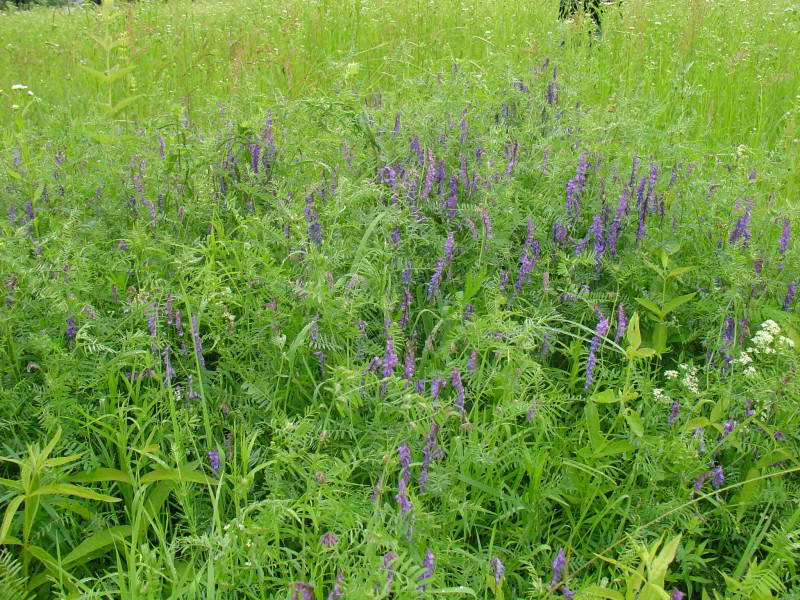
x,y
372,299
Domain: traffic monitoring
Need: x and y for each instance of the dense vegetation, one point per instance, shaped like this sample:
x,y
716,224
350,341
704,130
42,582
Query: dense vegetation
x,y
371,299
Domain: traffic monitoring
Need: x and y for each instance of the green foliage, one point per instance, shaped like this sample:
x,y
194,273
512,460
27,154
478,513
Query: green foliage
x,y
217,231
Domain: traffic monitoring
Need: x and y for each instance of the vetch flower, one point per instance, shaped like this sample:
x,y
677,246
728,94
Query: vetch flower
x,y
388,566
213,459
499,570
436,386
790,294
303,591
786,233
430,452
559,564
198,346
622,323
329,539
673,413
718,478
428,565
336,592
487,224
676,594
600,332
405,475
459,387
473,361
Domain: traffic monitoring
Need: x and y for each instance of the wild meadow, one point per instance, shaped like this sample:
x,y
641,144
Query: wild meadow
x,y
370,299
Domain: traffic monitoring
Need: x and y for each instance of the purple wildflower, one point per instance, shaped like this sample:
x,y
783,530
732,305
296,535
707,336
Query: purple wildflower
x,y
396,129
622,323
567,593
591,361
328,539
452,198
213,459
436,386
641,229
198,346
779,437
526,265
405,475
503,279
698,434
551,97
389,358
718,477
468,310
676,594
487,224
575,188
730,424
404,308
336,592
459,387
785,235
499,570
169,372
419,386
559,234
790,294
472,363
408,363
71,331
388,566
430,452
417,149
303,591
512,149
442,264
255,151
161,146
559,564
741,229
673,413
728,332
428,565
597,231
312,218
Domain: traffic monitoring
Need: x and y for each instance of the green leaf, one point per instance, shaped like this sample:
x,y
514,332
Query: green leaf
x,y
635,423
643,353
176,475
62,460
651,306
593,426
96,74
617,447
67,489
657,570
96,542
15,485
72,506
11,510
679,271
747,492
116,72
660,338
102,474
676,302
124,103
602,592
633,334
608,396
52,444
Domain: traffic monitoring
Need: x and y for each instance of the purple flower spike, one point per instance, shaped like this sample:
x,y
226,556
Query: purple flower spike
x,y
718,478
567,593
408,364
198,345
388,565
673,413
591,361
336,592
622,323
428,565
396,129
487,224
790,294
459,387
785,235
676,594
526,265
389,358
472,363
452,198
213,459
303,591
405,475
499,570
430,452
71,331
436,386
312,218
559,564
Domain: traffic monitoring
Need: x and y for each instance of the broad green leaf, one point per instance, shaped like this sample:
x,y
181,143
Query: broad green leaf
x,y
633,334
15,485
593,426
696,422
96,542
62,460
8,518
747,492
612,448
102,474
96,74
660,338
10,540
651,306
454,590
676,302
176,475
657,570
643,353
116,72
72,506
635,423
52,444
680,271
602,592
608,396
652,592
67,489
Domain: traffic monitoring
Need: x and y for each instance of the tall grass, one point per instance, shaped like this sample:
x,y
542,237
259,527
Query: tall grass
x,y
589,243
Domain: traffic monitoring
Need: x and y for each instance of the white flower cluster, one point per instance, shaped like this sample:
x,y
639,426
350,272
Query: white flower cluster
x,y
688,379
767,340
660,396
